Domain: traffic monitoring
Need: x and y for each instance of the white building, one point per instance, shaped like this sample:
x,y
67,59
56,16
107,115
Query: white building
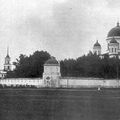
x,y
51,75
113,43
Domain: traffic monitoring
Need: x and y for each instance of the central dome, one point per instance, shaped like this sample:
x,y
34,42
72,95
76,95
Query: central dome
x,y
52,61
114,31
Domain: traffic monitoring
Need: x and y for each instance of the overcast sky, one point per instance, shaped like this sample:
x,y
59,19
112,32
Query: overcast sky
x,y
65,28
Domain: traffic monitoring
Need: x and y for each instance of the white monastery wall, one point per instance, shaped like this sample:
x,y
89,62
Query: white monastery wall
x,y
76,83
22,81
66,82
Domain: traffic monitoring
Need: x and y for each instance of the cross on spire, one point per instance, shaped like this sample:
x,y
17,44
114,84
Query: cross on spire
x,y
118,24
8,51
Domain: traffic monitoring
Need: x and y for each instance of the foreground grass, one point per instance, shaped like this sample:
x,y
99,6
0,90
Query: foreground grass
x,y
59,104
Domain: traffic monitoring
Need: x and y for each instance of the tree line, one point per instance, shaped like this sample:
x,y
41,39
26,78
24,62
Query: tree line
x,y
90,65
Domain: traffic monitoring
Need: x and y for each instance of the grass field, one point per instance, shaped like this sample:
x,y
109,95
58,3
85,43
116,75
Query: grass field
x,y
59,104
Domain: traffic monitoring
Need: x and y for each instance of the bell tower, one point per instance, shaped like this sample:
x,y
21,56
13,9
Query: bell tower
x,y
7,65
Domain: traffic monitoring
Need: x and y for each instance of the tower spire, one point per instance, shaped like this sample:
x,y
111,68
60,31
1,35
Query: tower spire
x,y
7,50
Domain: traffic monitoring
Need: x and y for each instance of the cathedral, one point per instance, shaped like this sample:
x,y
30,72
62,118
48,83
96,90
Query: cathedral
x,y
113,43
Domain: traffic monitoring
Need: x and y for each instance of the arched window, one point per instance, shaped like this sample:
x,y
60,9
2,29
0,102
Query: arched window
x,y
112,49
99,52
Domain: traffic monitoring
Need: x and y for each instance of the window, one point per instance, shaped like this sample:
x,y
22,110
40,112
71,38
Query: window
x,y
98,52
112,49
8,67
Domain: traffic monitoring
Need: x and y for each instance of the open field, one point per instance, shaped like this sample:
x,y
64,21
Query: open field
x,y
59,104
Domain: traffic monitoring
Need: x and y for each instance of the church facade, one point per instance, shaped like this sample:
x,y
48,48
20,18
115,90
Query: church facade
x,y
113,43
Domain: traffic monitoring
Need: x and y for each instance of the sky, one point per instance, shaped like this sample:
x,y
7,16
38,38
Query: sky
x,y
64,28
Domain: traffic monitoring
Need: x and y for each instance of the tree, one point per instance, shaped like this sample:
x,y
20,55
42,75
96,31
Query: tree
x,y
30,66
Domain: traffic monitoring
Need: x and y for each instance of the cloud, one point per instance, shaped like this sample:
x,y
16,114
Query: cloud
x,y
113,4
65,28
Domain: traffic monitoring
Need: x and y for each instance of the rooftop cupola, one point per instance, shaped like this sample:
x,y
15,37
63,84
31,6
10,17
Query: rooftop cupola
x,y
97,44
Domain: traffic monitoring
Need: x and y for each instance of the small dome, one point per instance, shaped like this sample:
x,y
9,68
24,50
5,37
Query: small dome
x,y
7,57
97,44
114,31
113,40
51,61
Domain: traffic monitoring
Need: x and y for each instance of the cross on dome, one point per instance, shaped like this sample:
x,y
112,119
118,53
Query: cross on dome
x,y
118,24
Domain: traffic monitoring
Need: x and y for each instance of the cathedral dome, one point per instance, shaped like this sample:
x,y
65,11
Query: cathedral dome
x,y
51,61
114,31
